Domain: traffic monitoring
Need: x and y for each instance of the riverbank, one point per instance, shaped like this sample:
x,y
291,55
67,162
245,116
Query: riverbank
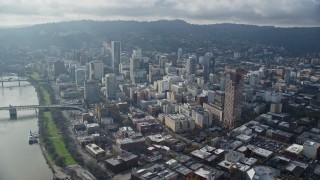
x,y
52,144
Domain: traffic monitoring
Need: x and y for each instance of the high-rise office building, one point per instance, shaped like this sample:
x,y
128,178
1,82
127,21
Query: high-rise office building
x,y
96,70
233,96
83,57
80,76
222,83
116,54
91,91
209,65
137,54
58,68
180,53
286,78
134,66
191,65
135,62
111,85
162,61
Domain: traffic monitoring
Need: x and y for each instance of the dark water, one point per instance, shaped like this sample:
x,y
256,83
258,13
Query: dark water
x,y
18,159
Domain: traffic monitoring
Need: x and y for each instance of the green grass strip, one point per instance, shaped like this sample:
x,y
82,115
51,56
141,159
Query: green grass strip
x,y
35,76
52,129
46,96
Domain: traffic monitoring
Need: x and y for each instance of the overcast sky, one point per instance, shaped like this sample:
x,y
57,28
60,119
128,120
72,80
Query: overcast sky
x,y
259,12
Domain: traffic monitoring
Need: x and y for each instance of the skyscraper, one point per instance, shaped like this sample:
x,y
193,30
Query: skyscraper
x,y
137,54
58,68
286,78
91,91
180,54
96,70
135,63
209,65
162,61
116,54
191,65
83,57
222,83
80,74
111,86
233,96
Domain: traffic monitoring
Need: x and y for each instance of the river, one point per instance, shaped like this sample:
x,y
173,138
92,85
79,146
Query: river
x,y
18,159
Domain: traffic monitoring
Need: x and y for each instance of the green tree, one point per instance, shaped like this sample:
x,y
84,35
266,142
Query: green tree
x,y
126,122
60,161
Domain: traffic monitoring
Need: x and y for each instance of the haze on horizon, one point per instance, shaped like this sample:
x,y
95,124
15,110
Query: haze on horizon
x,y
282,13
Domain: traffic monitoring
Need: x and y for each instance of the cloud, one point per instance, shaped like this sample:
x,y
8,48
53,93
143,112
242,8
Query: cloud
x,y
260,12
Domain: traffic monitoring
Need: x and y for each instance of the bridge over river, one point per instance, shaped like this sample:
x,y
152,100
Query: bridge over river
x,y
20,79
13,109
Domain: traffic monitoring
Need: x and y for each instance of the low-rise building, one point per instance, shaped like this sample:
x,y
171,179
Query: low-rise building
x,y
92,128
266,154
147,127
244,138
122,162
154,172
294,150
262,172
305,136
234,156
131,144
95,151
107,121
282,136
179,122
208,173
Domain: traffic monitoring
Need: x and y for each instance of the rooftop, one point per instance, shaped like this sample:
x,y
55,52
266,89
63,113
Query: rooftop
x,y
159,137
92,125
121,159
183,158
226,164
309,136
262,152
262,172
248,161
295,148
218,151
195,166
206,171
311,144
282,133
130,140
242,149
242,167
243,137
201,154
171,162
207,148
94,148
183,170
178,117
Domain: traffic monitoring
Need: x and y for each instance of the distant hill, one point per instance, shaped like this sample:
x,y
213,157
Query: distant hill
x,y
159,35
